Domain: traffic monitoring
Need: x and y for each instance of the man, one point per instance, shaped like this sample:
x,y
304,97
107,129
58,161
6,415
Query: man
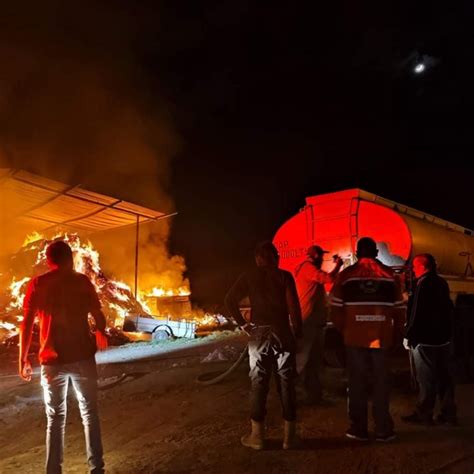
x,y
428,336
366,307
62,300
274,304
310,281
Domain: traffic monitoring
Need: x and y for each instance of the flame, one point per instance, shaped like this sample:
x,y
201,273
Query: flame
x,y
33,237
121,312
116,296
7,326
162,292
17,292
144,305
211,320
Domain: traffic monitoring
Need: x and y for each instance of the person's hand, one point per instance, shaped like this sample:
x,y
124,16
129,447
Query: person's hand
x,y
25,370
405,343
101,340
339,261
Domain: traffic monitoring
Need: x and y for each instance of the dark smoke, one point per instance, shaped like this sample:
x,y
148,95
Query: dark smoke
x,y
76,105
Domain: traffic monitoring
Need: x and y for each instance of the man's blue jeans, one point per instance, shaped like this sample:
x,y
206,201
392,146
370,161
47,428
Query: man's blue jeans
x,y
55,380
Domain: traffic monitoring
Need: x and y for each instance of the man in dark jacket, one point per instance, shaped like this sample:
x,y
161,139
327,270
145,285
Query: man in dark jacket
x,y
274,305
367,307
428,336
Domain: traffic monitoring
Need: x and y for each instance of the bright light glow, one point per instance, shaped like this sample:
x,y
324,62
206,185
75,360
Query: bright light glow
x,y
419,68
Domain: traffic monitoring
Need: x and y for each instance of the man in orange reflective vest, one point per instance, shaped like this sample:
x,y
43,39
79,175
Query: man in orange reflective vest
x,y
367,307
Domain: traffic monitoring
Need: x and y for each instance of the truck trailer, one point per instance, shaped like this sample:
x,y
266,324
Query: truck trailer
x,y
336,221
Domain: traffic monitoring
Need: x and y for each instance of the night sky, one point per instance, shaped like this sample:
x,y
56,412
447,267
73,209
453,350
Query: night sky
x,y
277,103
263,104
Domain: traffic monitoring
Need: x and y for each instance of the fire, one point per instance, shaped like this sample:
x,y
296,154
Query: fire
x,y
7,326
211,320
33,237
162,292
17,292
116,296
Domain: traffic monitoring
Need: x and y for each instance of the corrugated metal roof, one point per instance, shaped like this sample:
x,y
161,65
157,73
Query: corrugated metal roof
x,y
42,204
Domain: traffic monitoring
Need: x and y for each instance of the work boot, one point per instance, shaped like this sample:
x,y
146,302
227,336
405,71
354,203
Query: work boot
x,y
255,439
290,439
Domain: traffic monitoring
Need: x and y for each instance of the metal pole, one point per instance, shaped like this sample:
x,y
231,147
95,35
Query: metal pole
x,y
137,235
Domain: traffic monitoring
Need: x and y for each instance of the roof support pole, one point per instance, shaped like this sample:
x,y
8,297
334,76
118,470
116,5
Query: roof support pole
x,y
137,235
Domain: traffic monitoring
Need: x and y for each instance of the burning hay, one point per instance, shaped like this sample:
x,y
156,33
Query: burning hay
x,y
118,301
116,297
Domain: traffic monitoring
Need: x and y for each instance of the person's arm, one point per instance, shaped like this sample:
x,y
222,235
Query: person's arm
x,y
320,276
336,306
95,310
238,291
26,330
293,304
335,271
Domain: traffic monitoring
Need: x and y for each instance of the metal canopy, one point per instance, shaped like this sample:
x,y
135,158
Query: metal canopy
x,y
42,204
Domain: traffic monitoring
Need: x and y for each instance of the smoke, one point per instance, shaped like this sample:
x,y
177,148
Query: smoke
x,y
77,105
155,267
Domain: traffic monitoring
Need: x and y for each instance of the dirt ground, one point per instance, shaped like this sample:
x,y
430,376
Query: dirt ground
x,y
160,420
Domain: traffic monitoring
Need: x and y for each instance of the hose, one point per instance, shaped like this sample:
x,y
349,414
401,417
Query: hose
x,y
210,378
121,378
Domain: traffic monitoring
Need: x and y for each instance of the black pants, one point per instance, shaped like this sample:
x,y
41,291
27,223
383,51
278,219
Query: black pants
x,y
310,359
434,375
267,354
368,367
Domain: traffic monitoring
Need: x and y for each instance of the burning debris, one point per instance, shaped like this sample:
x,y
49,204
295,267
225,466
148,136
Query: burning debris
x,y
116,296
118,301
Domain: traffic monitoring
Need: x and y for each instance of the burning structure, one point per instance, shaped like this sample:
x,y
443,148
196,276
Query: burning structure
x,y
46,210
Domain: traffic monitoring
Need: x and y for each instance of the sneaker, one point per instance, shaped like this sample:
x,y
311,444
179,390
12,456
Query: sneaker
x,y
384,438
445,420
352,433
415,419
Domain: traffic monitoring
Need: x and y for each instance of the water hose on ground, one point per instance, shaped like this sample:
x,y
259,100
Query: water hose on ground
x,y
210,378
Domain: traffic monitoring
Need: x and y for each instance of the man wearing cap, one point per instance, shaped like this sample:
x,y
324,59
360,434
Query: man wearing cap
x,y
310,281
367,308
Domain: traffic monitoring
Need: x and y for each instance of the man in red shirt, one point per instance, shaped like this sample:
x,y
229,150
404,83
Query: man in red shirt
x,y
310,281
62,299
